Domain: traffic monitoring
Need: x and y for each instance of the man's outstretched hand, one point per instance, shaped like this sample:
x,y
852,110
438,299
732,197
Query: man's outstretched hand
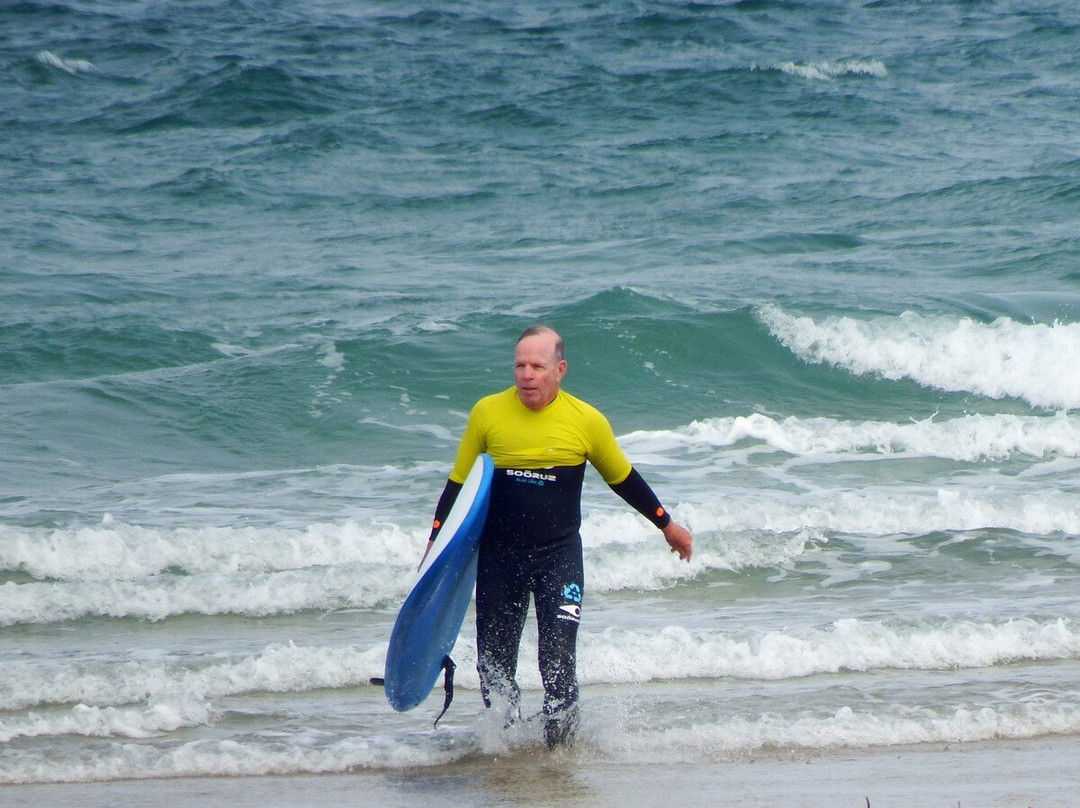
x,y
679,539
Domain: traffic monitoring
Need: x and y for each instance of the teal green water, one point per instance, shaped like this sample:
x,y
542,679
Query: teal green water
x,y
818,263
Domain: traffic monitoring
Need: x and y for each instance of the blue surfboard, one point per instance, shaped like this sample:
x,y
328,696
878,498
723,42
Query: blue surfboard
x,y
429,620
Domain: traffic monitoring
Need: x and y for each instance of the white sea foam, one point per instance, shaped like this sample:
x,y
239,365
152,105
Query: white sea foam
x,y
160,597
175,693
227,758
873,511
187,686
114,550
233,351
330,357
278,668
619,656
72,66
970,438
845,728
625,552
437,326
826,70
605,738
129,722
1034,362
157,597
742,529
120,571
435,430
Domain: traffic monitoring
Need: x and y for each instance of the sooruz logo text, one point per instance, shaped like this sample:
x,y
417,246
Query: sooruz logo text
x,y
531,475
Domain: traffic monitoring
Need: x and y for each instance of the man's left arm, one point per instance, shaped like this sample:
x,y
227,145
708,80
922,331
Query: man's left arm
x,y
641,497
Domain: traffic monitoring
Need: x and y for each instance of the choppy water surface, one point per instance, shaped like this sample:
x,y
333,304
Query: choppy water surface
x,y
816,261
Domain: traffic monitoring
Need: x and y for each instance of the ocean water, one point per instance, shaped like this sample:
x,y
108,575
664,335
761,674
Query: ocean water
x,y
817,261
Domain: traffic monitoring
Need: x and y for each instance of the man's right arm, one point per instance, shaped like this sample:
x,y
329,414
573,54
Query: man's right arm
x,y
442,509
469,448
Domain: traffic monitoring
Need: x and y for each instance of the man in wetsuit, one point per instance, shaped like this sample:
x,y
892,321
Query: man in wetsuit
x,y
539,438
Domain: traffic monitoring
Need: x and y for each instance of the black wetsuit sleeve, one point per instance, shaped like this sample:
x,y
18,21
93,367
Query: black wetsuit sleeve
x,y
446,502
636,491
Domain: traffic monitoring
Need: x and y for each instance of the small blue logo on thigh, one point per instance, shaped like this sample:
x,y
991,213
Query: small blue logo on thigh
x,y
572,593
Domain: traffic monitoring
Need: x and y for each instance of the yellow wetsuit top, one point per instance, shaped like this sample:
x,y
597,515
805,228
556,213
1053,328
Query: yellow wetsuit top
x,y
539,459
567,432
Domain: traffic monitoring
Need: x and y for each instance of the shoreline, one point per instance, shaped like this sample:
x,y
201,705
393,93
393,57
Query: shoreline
x,y
1040,773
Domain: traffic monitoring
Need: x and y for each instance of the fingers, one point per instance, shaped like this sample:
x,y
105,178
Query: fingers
x,y
680,541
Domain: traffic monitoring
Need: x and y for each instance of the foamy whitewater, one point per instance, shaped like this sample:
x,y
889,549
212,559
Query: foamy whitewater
x,y
818,264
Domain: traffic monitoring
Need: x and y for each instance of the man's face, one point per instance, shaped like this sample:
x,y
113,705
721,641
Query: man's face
x,y
537,371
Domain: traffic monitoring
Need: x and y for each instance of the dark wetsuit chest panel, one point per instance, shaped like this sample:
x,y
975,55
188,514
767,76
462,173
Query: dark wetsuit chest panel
x,y
533,508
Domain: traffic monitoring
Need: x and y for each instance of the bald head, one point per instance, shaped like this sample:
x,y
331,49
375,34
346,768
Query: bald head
x,y
543,330
538,366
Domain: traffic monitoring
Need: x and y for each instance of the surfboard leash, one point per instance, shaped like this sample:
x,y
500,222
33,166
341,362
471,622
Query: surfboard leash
x,y
448,667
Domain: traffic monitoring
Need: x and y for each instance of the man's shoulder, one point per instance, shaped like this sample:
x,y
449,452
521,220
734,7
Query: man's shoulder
x,y
499,400
570,400
581,408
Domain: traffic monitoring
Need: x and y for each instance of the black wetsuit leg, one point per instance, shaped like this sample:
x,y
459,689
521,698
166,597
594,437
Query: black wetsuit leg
x,y
555,576
558,589
502,604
